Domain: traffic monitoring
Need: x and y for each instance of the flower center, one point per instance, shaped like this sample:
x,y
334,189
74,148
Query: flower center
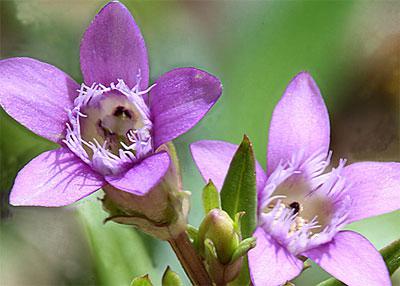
x,y
109,122
109,127
295,196
301,206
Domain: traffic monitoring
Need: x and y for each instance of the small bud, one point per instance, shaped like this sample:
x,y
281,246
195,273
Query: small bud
x,y
219,243
162,212
219,228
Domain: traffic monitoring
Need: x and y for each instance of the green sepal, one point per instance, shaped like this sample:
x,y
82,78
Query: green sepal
x,y
171,278
210,197
391,256
193,235
243,248
209,250
237,222
239,189
142,281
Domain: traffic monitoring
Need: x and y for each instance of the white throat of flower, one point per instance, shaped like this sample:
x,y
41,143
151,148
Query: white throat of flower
x,y
128,147
301,206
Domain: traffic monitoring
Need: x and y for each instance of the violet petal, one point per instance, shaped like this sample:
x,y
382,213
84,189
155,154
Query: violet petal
x,y
53,179
142,177
113,48
271,264
179,100
352,259
300,121
374,188
36,94
213,159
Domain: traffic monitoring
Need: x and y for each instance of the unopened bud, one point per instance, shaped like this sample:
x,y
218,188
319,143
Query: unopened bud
x,y
218,227
219,243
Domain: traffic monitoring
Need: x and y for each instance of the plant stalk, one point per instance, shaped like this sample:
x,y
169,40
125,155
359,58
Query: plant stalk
x,y
190,261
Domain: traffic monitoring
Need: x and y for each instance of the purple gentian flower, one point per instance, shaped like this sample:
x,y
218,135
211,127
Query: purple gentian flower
x,y
109,129
302,208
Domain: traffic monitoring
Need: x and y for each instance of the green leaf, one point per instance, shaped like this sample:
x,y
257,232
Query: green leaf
x,y
210,197
171,278
239,190
142,281
113,246
391,255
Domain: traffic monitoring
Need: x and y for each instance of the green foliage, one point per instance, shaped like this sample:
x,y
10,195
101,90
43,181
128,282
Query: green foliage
x,y
211,198
391,255
142,281
238,193
171,278
259,47
118,252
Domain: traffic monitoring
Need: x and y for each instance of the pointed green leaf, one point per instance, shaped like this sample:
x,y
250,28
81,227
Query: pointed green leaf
x,y
239,190
142,281
171,278
391,255
210,197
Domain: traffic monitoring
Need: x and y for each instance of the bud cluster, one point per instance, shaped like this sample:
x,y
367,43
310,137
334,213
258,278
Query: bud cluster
x,y
220,243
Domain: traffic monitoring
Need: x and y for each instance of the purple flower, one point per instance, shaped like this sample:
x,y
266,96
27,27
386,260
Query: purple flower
x,y
110,127
302,205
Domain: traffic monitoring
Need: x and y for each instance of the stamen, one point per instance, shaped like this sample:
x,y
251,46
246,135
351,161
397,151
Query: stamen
x,y
294,191
102,159
295,206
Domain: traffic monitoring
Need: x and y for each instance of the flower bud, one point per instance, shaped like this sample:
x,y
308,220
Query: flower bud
x,y
219,243
162,212
218,227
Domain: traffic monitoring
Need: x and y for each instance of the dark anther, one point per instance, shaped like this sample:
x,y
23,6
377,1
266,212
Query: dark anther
x,y
295,206
119,111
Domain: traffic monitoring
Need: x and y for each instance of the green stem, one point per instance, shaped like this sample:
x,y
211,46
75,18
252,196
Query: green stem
x,y
190,261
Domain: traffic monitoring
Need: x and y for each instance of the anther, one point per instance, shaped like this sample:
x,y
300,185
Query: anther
x,y
295,206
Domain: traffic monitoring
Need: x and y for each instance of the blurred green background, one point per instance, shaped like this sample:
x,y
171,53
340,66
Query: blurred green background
x,y
352,48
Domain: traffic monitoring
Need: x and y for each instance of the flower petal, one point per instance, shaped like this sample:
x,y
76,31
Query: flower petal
x,y
271,264
53,179
374,188
179,100
142,177
300,121
113,48
36,94
352,259
213,159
